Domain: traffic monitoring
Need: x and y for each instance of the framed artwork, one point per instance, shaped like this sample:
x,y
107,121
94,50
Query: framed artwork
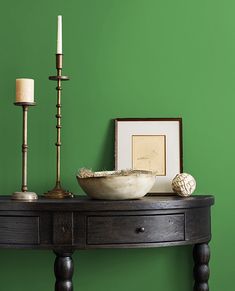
x,y
153,144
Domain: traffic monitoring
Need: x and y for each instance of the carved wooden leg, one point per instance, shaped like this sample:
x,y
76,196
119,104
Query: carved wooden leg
x,y
201,255
63,269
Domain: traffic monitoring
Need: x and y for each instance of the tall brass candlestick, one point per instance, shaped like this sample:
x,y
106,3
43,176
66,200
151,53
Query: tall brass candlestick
x,y
24,194
58,192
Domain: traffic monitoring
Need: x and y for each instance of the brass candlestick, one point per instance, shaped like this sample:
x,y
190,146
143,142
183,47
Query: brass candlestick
x,y
58,192
24,194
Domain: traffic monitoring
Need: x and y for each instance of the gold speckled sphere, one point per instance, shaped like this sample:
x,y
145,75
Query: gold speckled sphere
x,y
183,184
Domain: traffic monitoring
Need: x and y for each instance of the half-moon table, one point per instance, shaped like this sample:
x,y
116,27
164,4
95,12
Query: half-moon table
x,y
81,223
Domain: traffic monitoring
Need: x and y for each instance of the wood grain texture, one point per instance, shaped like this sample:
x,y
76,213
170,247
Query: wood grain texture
x,y
63,228
135,229
83,223
198,223
84,203
19,230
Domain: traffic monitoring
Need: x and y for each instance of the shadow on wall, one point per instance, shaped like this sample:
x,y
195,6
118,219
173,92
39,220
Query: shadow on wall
x,y
106,158
133,270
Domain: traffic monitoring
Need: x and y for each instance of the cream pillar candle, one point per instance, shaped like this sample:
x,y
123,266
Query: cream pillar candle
x,y
24,90
59,35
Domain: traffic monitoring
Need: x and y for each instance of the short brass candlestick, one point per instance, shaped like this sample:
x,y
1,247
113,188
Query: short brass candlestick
x,y
58,192
24,194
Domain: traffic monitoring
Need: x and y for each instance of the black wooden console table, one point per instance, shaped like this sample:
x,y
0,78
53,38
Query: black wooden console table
x,y
81,223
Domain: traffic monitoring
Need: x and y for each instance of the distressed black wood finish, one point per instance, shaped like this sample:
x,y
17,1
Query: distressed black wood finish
x,y
63,269
82,223
135,229
201,255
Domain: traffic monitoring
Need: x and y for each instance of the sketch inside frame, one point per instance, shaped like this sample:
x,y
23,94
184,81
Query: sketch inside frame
x,y
149,153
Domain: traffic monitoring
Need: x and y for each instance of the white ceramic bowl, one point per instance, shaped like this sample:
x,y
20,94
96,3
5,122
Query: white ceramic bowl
x,y
108,186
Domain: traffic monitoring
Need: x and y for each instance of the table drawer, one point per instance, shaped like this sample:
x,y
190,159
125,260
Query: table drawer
x,y
135,229
19,230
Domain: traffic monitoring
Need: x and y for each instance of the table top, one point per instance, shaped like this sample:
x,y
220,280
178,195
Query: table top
x,y
83,203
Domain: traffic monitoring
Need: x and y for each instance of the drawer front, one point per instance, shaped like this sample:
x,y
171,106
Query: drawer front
x,y
19,230
134,229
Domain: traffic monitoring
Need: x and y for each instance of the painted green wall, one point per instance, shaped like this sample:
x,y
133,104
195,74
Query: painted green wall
x,y
126,58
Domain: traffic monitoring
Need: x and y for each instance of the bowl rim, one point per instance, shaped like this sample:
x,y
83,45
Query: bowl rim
x,y
117,173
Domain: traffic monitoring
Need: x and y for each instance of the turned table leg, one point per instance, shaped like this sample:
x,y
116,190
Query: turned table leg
x,y
201,255
63,269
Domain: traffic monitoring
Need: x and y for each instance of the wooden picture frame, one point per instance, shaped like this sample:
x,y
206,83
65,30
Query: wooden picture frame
x,y
150,144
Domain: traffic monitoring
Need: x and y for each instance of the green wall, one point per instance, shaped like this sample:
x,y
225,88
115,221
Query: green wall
x,y
126,58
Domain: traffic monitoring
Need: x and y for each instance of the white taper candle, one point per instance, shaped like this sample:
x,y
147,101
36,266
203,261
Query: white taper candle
x,y
59,35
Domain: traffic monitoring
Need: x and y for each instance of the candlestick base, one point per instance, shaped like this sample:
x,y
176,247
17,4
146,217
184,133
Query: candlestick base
x,y
58,193
25,196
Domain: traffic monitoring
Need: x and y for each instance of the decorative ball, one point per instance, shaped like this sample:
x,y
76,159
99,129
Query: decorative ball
x,y
183,184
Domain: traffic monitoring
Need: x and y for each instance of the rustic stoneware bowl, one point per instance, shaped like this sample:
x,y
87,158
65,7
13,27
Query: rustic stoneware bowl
x,y
110,185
